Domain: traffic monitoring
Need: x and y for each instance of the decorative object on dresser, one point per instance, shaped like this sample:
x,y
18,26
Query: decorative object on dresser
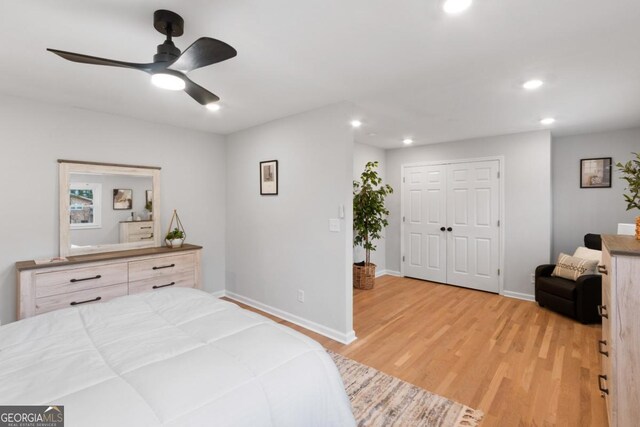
x,y
99,228
175,235
369,219
92,278
620,343
595,173
631,173
269,178
577,298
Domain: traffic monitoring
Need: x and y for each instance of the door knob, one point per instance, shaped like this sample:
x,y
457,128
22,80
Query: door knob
x,y
442,228
449,229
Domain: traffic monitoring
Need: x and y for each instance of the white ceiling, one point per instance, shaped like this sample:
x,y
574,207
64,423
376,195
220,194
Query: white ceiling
x,y
410,69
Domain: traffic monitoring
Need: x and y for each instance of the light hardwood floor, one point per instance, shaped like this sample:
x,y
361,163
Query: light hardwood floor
x,y
520,364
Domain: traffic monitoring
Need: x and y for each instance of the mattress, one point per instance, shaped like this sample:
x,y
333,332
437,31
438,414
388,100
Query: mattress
x,y
178,357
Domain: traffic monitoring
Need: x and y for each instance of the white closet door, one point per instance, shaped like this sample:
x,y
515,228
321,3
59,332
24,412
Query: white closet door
x,y
424,222
473,203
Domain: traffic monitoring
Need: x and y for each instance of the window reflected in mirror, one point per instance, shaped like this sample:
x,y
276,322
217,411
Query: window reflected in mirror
x,y
85,205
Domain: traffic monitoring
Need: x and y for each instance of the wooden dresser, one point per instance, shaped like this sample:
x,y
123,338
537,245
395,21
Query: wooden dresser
x,y
86,279
620,344
136,231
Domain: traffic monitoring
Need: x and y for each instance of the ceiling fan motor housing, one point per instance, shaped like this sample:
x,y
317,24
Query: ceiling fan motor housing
x,y
167,52
171,25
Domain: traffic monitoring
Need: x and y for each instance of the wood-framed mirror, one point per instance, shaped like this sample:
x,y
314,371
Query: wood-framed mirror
x,y
108,207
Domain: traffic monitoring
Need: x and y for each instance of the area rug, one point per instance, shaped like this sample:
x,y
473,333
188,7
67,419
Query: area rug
x,y
378,399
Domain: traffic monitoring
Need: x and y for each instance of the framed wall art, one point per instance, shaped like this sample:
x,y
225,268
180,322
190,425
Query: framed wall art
x,y
122,199
595,173
269,178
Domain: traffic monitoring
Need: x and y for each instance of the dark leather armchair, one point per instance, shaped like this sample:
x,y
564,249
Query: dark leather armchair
x,y
579,299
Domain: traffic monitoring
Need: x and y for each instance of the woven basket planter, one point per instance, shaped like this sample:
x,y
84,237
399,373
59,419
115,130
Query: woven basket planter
x,y
364,276
638,227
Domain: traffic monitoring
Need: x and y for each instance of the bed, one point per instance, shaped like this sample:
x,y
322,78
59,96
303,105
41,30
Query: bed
x,y
179,357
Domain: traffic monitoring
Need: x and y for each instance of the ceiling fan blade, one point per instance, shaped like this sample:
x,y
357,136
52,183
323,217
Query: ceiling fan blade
x,y
199,93
86,59
204,51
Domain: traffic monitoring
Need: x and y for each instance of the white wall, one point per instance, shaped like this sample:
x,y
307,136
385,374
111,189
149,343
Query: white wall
x,y
277,245
527,213
34,136
362,154
578,211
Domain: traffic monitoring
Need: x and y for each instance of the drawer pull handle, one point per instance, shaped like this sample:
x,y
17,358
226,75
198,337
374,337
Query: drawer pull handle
x,y
602,269
163,286
602,311
86,278
164,266
145,228
146,238
602,378
84,302
600,350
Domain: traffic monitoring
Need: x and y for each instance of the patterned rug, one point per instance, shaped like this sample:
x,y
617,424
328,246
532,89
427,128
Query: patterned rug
x,y
378,399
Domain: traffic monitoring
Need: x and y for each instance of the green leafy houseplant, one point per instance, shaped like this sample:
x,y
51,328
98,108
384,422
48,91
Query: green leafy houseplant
x,y
631,173
175,234
369,211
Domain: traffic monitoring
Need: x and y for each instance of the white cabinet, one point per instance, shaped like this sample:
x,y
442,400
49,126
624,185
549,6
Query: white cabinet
x,y
87,279
136,231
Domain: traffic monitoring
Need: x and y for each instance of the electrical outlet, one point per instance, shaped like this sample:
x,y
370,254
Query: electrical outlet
x,y
533,278
300,295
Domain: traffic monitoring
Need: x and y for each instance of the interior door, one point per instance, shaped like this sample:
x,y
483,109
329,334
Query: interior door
x,y
473,211
425,222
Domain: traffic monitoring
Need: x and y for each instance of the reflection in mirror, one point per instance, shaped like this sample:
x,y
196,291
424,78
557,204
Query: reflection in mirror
x,y
109,209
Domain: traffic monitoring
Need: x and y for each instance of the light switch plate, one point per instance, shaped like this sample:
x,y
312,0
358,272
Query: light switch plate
x,y
334,225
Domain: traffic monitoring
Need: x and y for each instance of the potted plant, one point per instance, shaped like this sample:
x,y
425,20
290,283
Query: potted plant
x,y
369,219
631,173
149,208
175,238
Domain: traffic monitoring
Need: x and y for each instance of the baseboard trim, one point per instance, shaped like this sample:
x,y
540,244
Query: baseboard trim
x,y
338,336
388,273
518,295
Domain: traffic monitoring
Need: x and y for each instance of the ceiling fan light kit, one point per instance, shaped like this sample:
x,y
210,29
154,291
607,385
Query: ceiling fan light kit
x,y
170,66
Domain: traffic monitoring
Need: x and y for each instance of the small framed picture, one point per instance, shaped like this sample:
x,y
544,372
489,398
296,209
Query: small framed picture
x,y
122,199
595,173
148,197
269,178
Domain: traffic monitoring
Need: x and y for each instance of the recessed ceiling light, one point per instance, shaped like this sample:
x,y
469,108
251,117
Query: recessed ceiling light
x,y
456,6
407,141
213,106
356,123
533,84
167,81
548,121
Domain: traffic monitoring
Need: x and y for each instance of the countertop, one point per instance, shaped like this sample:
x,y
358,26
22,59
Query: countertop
x,y
104,256
622,245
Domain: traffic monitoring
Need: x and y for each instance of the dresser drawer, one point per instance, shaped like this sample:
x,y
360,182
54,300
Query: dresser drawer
x,y
140,227
76,299
77,279
183,279
162,267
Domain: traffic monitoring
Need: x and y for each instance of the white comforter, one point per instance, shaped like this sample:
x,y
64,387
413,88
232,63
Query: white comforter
x,y
175,357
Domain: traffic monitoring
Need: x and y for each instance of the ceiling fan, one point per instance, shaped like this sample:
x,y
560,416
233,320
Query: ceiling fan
x,y
170,66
